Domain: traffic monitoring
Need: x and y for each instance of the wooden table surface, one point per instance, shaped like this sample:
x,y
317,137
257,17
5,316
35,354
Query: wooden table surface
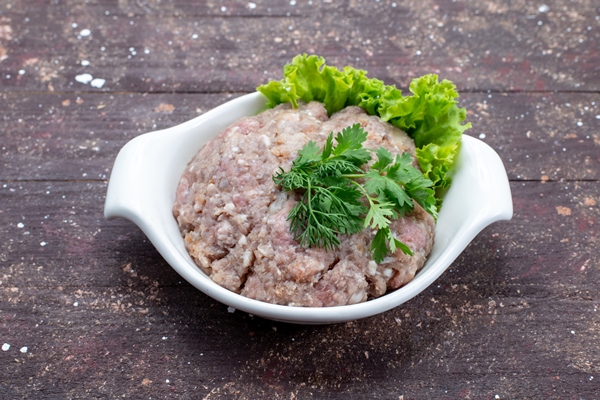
x,y
89,309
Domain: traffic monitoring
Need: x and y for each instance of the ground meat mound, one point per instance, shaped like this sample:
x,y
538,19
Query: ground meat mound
x,y
233,218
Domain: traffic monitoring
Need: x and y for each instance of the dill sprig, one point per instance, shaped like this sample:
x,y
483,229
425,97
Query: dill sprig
x,y
341,195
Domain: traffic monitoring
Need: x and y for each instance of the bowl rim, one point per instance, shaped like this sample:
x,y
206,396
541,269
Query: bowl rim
x,y
128,198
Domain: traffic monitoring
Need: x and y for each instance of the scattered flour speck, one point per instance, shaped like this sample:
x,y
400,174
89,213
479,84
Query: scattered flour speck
x,y
84,78
98,83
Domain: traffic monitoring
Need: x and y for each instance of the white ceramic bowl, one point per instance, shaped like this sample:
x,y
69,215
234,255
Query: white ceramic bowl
x,y
147,170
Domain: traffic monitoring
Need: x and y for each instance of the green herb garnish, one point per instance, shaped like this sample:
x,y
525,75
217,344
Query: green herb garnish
x,y
342,196
430,115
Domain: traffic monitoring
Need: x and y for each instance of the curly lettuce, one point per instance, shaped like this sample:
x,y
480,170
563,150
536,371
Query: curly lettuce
x,y
430,116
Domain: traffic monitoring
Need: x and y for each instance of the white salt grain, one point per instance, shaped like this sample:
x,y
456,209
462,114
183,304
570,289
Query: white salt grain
x,y
5,347
23,349
84,78
85,32
230,310
98,83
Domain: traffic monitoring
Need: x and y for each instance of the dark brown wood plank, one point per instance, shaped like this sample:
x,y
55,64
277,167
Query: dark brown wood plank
x,y
89,309
215,47
69,136
89,297
61,224
540,136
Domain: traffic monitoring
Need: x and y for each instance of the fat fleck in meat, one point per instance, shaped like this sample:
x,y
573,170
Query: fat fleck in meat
x,y
233,218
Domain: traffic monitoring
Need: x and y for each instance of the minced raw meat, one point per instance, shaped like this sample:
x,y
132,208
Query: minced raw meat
x,y
233,217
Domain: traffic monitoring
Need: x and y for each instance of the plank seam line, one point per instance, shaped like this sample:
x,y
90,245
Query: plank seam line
x,y
519,91
584,180
592,180
119,93
54,180
190,92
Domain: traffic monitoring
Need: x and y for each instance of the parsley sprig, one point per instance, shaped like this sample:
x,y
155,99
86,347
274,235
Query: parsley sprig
x,y
340,195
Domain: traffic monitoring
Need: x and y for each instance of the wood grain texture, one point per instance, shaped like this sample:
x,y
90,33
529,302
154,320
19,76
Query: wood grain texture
x,y
515,316
90,310
539,136
228,46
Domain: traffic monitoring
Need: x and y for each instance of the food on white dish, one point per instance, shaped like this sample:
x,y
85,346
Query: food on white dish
x,y
333,236
234,217
142,190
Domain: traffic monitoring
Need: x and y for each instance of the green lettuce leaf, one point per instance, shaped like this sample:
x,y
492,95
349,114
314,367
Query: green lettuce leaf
x,y
430,116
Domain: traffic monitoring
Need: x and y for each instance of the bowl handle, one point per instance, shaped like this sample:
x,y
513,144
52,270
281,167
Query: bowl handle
x,y
140,178
125,193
